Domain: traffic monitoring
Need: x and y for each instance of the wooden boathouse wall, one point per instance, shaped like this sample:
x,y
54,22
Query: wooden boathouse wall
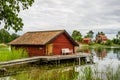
x,y
62,41
36,50
33,50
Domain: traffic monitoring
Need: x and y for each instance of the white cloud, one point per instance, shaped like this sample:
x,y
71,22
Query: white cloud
x,y
83,15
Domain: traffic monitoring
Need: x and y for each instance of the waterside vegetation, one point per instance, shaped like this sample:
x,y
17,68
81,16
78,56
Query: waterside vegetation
x,y
60,72
7,55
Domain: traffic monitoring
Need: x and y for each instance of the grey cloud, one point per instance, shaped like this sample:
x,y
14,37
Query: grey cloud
x,y
80,12
72,14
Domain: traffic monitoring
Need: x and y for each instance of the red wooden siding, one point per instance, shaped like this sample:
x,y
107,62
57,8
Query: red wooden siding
x,y
33,50
62,41
36,50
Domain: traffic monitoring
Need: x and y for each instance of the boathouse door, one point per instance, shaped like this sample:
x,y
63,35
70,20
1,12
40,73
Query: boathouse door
x,y
49,48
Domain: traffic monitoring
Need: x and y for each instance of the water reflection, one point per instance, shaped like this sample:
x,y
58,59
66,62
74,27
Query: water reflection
x,y
117,52
106,53
106,67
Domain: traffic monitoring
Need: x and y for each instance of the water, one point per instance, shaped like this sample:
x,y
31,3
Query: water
x,y
103,59
106,60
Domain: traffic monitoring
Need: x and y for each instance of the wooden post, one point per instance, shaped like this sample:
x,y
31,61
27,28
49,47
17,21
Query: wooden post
x,y
59,59
86,58
79,60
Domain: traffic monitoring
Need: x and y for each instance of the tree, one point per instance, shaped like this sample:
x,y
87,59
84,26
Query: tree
x,y
100,33
76,35
116,41
108,42
118,35
90,34
14,36
9,10
5,37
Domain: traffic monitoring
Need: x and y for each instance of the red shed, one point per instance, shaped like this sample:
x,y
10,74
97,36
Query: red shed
x,y
87,40
41,43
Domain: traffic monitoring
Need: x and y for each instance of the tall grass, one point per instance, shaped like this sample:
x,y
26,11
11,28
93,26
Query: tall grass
x,y
2,45
58,74
65,73
7,55
89,73
86,73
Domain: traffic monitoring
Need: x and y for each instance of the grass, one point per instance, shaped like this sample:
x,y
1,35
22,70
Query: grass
x,y
3,46
42,72
6,55
96,47
58,74
89,73
63,72
67,73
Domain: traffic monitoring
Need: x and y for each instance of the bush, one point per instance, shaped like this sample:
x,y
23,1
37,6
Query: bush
x,y
108,42
116,41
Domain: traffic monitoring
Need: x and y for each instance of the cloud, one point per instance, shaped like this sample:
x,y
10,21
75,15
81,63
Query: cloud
x,y
72,14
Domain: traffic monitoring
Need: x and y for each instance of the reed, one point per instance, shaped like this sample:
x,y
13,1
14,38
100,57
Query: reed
x,y
7,55
88,73
56,74
65,73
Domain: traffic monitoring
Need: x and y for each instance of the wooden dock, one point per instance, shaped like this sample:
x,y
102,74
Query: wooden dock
x,y
45,58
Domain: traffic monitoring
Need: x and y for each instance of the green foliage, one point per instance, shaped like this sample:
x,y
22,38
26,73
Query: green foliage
x,y
108,43
100,33
88,73
118,34
58,74
90,34
7,55
76,35
116,41
9,10
5,36
14,36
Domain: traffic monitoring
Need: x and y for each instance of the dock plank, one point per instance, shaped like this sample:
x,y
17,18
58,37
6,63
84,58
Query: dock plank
x,y
44,58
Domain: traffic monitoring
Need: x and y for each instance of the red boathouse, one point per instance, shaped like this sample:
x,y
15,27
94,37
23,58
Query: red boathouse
x,y
42,43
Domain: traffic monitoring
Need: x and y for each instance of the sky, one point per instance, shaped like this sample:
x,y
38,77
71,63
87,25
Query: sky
x,y
81,15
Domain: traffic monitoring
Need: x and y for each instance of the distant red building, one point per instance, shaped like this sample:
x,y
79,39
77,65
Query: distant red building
x,y
101,38
87,40
43,43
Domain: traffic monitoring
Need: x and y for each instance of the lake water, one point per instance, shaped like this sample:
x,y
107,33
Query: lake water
x,y
106,60
103,58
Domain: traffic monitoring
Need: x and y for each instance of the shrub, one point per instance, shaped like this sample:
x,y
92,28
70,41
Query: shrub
x,y
108,42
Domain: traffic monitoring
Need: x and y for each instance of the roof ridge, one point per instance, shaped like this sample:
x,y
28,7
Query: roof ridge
x,y
46,31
